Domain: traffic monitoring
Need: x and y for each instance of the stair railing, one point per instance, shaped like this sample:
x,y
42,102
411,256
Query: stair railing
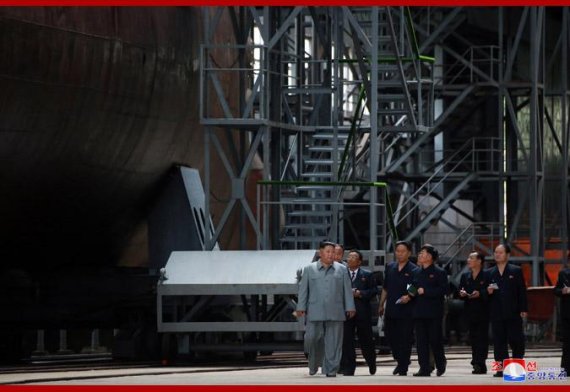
x,y
264,202
439,176
471,235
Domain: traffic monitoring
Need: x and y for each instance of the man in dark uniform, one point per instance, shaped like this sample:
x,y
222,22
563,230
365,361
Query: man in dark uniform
x,y
562,290
364,290
473,289
396,307
508,306
430,287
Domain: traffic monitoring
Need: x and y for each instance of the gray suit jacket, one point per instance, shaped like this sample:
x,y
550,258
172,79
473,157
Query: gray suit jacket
x,y
325,294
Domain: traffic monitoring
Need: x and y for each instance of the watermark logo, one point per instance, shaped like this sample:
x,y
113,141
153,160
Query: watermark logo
x,y
497,366
514,370
519,370
547,374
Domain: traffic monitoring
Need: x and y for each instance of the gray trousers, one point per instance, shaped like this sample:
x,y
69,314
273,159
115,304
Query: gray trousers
x,y
323,343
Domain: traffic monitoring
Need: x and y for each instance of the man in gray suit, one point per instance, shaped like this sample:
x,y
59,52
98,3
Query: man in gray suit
x,y
325,296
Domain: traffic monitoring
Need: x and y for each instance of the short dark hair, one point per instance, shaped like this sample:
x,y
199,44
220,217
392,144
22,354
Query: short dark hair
x,y
324,244
407,244
431,250
505,246
478,255
341,246
359,253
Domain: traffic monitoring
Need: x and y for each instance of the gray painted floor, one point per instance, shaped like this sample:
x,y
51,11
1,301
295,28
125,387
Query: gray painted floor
x,y
280,372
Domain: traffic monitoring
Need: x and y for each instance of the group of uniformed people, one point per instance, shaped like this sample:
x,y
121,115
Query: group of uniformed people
x,y
413,299
336,296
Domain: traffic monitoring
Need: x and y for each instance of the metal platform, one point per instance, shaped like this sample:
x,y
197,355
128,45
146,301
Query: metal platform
x,y
262,282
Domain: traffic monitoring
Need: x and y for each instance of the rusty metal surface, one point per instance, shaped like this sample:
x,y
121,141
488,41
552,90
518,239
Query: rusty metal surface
x,y
96,105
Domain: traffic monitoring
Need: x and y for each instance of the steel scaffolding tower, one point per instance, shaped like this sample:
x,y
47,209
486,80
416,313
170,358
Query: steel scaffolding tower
x,y
462,113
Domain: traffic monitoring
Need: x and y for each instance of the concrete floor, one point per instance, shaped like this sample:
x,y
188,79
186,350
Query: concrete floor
x,y
278,372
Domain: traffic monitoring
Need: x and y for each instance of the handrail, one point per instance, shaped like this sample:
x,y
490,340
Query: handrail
x,y
414,39
375,184
452,257
472,236
457,238
286,166
468,157
358,112
434,175
452,67
390,214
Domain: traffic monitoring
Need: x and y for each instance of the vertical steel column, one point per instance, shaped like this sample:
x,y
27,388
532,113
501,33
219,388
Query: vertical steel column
x,y
374,131
501,126
40,343
336,102
242,211
63,342
271,19
241,39
269,236
208,229
564,129
299,55
242,147
95,346
204,104
535,156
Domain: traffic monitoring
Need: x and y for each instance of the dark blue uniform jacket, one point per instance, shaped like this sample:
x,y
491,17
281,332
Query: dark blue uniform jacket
x,y
510,299
434,282
563,280
396,284
476,309
366,284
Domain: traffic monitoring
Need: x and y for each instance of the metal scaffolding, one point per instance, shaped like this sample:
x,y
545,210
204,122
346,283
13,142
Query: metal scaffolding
x,y
458,116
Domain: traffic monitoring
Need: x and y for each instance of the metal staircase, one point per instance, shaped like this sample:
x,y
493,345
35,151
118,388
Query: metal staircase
x,y
312,210
391,124
450,178
478,235
389,61
462,88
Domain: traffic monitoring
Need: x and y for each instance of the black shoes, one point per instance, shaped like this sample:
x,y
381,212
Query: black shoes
x,y
331,374
478,369
498,374
312,372
372,368
399,372
422,373
441,370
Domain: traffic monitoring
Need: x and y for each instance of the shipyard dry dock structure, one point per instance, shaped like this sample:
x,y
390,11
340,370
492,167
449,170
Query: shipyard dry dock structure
x,y
167,172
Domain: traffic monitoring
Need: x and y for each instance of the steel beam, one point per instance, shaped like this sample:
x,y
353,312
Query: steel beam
x,y
536,154
375,153
235,326
512,54
564,129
